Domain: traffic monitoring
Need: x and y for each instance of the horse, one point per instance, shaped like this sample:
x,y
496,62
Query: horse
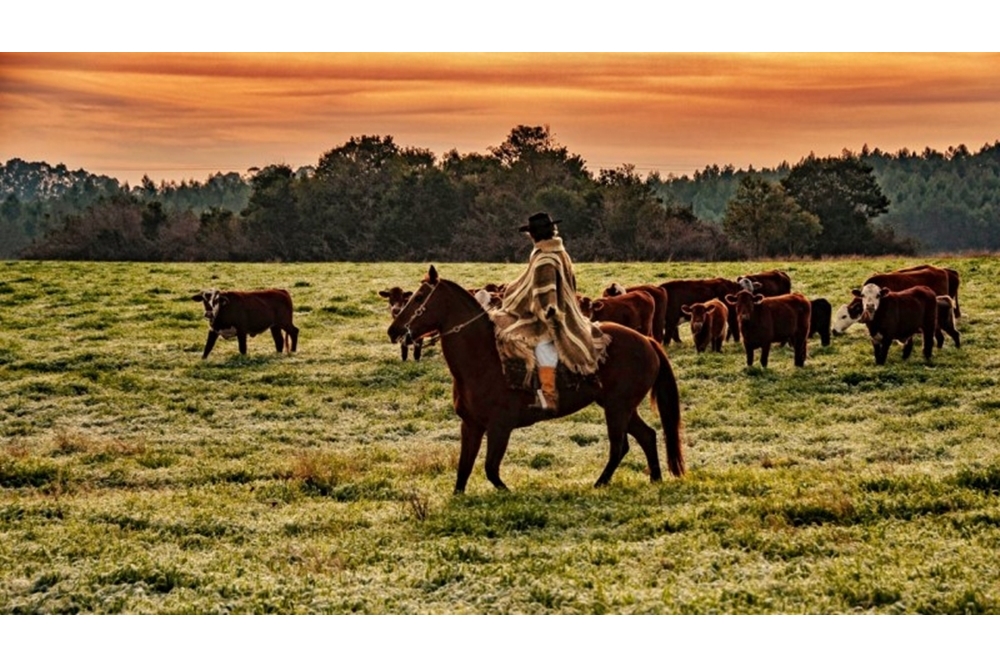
x,y
635,366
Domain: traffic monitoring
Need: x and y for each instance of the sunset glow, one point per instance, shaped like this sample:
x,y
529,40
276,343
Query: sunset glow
x,y
186,116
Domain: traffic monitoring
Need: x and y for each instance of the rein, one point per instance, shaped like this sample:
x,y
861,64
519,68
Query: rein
x,y
420,311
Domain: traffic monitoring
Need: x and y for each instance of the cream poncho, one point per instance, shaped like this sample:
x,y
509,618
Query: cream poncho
x,y
521,323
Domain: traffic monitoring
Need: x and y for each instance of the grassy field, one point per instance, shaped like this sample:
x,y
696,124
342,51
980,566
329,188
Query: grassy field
x,y
137,478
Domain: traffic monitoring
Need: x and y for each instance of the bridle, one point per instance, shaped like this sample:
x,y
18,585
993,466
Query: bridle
x,y
420,311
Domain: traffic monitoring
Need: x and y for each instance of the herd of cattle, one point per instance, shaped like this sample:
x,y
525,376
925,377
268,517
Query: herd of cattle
x,y
759,309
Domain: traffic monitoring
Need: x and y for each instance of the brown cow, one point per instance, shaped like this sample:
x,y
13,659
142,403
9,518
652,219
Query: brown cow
x,y
397,299
929,276
249,313
898,316
953,282
690,292
768,283
764,320
659,298
708,324
633,309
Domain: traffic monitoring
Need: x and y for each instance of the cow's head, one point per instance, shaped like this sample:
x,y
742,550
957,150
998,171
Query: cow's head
x,y
586,306
397,299
744,300
748,284
614,289
846,315
870,295
697,314
206,296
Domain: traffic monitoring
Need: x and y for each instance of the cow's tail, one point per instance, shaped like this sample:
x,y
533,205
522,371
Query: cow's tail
x,y
666,401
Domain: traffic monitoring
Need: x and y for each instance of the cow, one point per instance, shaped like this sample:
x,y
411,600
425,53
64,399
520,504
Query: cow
x,y
819,320
659,298
768,283
954,280
708,324
690,292
397,299
929,276
898,316
633,309
850,313
242,314
764,320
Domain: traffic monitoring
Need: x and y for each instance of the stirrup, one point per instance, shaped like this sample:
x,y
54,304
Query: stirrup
x,y
543,404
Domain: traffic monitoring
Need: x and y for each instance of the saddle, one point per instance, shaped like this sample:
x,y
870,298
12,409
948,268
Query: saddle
x,y
515,371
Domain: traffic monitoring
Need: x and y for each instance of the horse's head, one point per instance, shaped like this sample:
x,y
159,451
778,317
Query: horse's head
x,y
422,314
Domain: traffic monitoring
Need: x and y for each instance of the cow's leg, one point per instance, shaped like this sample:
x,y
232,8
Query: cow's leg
x,y
953,332
293,334
418,345
928,346
765,352
241,338
404,350
939,337
800,351
882,352
908,348
497,438
472,440
210,343
749,351
279,340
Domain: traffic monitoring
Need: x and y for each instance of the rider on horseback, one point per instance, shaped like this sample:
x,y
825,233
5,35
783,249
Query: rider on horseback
x,y
544,314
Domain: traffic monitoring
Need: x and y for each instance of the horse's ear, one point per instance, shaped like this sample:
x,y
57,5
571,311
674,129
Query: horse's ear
x,y
432,275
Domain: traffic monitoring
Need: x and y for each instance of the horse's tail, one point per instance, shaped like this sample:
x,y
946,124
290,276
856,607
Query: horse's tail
x,y
667,403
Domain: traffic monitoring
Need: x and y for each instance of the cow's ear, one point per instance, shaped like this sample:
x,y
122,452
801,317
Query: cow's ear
x,y
756,285
730,299
597,306
757,298
407,295
686,309
856,292
882,292
200,296
432,275
223,300
384,293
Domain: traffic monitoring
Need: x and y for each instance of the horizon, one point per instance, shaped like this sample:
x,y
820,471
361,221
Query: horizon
x,y
177,117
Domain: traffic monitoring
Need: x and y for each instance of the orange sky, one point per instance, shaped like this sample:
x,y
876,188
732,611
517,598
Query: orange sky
x,y
181,116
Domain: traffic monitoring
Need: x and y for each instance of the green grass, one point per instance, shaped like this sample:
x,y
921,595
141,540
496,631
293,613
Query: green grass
x,y
137,478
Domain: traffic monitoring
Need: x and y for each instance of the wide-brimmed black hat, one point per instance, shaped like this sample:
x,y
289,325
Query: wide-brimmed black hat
x,y
539,222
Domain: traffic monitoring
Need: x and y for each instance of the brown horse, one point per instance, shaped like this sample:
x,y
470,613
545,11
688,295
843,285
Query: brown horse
x,y
635,366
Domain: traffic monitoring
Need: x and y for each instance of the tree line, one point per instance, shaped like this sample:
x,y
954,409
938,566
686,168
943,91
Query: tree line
x,y
372,200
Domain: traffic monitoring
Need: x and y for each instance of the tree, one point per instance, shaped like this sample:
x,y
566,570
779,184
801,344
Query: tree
x,y
845,196
768,221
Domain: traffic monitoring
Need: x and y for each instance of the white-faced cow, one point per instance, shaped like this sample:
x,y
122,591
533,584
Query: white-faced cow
x,y
898,316
659,296
764,321
243,314
768,283
850,313
709,321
